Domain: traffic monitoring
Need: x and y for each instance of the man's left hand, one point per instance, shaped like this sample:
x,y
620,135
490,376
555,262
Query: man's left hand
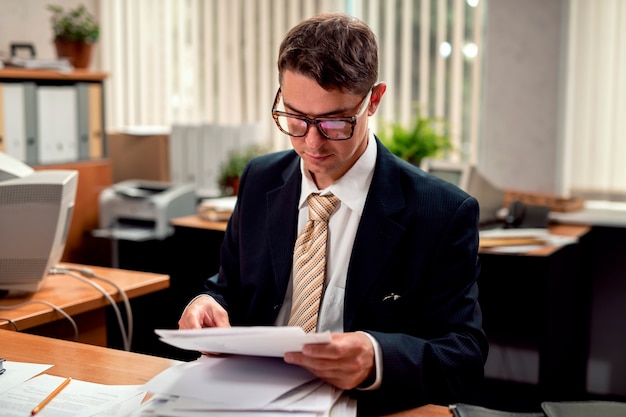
x,y
345,362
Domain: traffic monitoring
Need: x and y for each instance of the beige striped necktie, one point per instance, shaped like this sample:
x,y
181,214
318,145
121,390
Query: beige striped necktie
x,y
309,262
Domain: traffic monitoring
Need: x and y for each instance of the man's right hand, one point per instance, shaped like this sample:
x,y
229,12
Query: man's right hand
x,y
203,311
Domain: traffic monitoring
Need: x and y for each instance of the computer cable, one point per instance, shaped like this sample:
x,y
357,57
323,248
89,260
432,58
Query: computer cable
x,y
86,273
89,273
11,322
52,306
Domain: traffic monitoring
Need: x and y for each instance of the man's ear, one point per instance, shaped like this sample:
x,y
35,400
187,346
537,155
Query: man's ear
x,y
377,94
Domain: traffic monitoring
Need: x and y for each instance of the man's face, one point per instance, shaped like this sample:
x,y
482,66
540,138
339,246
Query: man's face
x,y
327,160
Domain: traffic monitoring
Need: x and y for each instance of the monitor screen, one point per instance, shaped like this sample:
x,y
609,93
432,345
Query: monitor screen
x,y
35,215
451,175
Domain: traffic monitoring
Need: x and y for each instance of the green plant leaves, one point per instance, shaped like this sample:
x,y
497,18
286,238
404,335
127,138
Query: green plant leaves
x,y
423,137
74,25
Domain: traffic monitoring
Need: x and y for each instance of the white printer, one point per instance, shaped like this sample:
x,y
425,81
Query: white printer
x,y
141,209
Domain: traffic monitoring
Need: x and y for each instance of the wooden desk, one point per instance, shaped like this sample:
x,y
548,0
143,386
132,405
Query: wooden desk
x,y
567,230
110,366
197,222
82,361
539,301
78,299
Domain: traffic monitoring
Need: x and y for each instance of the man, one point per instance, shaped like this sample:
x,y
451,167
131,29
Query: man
x,y
399,292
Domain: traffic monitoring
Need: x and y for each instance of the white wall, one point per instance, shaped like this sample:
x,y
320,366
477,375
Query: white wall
x,y
521,81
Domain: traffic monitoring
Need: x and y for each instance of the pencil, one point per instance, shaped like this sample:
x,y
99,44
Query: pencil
x,y
50,397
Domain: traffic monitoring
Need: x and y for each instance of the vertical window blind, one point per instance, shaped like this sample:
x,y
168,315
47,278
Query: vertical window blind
x,y
214,61
594,126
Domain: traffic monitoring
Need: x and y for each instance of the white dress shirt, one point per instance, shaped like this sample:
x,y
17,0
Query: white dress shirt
x,y
352,190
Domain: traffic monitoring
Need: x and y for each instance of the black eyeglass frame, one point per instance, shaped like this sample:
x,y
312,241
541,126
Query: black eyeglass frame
x,y
317,120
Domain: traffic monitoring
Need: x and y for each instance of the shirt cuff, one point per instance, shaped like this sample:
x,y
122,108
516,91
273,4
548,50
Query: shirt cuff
x,y
378,364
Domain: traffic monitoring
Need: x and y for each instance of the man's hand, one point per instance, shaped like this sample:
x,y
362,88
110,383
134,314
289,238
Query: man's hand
x,y
204,311
345,362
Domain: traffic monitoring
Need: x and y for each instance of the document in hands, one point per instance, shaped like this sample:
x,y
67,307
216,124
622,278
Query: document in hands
x,y
255,340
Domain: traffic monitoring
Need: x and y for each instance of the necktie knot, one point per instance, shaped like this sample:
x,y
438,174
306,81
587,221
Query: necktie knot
x,y
321,206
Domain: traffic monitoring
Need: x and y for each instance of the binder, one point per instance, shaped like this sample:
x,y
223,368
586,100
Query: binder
x,y
96,135
14,120
83,111
31,121
58,124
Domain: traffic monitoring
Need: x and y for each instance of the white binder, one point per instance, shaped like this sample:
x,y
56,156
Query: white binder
x,y
58,124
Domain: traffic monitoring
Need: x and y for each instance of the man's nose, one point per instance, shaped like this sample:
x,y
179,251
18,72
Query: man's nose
x,y
314,138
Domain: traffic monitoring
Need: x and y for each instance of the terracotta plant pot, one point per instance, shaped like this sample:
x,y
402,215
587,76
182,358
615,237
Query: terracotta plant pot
x,y
78,53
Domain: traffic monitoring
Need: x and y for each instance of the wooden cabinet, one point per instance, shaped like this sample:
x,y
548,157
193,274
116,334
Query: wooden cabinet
x,y
93,177
54,120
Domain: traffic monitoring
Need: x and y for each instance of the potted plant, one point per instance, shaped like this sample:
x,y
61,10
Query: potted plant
x,y
75,32
232,168
424,137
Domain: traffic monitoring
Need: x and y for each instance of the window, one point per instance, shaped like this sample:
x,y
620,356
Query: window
x,y
594,127
194,61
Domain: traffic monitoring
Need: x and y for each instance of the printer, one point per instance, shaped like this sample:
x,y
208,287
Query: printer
x,y
141,210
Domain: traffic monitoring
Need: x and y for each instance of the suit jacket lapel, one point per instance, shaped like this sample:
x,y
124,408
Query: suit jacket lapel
x,y
377,233
282,205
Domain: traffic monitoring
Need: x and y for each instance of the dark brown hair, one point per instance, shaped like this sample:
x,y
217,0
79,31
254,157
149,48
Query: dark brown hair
x,y
336,50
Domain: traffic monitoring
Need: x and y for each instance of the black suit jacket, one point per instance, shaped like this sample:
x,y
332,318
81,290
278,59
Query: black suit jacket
x,y
417,239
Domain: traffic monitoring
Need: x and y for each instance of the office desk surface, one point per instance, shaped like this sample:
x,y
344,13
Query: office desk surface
x,y
197,222
82,361
567,230
110,366
78,298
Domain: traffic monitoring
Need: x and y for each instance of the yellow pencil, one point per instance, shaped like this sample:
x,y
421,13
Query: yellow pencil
x,y
50,397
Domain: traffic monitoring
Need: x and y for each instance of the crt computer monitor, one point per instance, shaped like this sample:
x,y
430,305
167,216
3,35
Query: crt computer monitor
x,y
35,214
469,179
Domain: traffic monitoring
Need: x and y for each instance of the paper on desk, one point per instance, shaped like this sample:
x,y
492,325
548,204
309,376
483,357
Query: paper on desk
x,y
18,372
162,406
232,382
313,397
543,235
254,340
79,398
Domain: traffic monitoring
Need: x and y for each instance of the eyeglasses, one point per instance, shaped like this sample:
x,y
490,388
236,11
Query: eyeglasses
x,y
332,128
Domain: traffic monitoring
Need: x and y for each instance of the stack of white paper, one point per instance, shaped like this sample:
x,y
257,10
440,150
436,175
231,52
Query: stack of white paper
x,y
257,381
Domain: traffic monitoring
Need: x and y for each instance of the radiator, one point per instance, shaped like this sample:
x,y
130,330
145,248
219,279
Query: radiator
x,y
197,151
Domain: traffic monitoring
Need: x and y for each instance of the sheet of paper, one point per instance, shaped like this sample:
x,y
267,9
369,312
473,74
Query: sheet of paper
x,y
232,382
123,408
79,398
313,397
18,372
255,340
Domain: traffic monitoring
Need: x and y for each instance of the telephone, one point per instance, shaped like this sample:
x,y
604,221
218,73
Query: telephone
x,y
521,215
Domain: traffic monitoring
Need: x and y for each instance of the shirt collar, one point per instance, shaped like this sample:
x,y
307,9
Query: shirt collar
x,y
349,188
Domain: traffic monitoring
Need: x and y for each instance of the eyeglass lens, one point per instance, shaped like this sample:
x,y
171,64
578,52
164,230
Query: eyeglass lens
x,y
333,129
